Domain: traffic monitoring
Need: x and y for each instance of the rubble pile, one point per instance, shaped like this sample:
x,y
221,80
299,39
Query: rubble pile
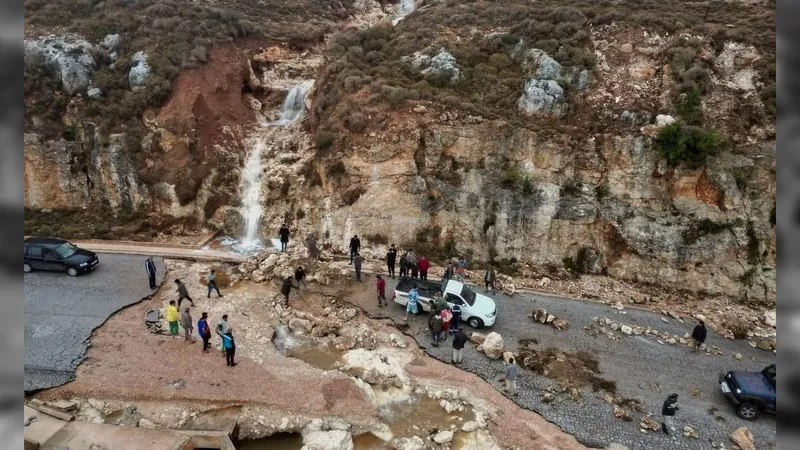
x,y
541,316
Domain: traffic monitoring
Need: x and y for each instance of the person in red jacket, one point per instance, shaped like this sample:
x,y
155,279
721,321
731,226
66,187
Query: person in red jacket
x,y
423,265
381,291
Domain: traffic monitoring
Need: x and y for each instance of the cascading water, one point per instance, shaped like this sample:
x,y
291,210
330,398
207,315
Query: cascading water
x,y
251,196
405,8
294,105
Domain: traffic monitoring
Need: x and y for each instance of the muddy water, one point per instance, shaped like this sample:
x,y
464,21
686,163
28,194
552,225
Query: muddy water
x,y
279,441
325,358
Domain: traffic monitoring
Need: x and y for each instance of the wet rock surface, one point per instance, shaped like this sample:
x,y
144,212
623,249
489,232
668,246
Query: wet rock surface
x,y
61,312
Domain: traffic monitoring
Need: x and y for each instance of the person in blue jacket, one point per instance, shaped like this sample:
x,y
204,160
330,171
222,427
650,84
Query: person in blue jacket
x,y
230,347
413,299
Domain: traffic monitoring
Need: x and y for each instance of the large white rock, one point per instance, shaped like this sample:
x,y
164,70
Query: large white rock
x,y
743,438
493,345
140,71
542,98
412,443
328,440
69,56
771,318
443,437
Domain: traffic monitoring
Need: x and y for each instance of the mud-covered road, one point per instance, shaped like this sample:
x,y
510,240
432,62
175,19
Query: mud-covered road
x,y
642,368
61,312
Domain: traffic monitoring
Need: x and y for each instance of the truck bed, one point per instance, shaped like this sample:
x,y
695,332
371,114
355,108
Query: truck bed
x,y
426,289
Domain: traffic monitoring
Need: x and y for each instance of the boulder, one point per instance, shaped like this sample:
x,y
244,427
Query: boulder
x,y
560,324
140,71
493,346
94,92
542,98
663,120
639,298
540,65
548,398
300,325
690,432
550,318
229,220
539,315
770,318
347,314
477,338
251,102
507,356
270,56
743,438
626,329
68,56
443,437
470,426
328,440
544,282
620,413
111,41
258,276
344,342
648,423
409,443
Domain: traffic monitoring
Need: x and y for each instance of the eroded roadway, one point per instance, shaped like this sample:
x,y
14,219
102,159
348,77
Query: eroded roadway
x,y
642,368
61,312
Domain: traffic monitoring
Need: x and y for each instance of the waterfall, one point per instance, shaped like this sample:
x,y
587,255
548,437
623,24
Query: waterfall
x,y
251,196
405,8
283,339
294,105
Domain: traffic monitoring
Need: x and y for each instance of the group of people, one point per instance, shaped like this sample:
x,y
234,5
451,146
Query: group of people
x,y
410,264
184,320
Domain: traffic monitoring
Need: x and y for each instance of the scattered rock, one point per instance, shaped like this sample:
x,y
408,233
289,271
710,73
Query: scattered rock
x,y
539,315
738,356
111,41
420,109
300,325
470,426
690,432
140,71
548,398
620,413
144,423
618,306
560,324
443,437
542,98
347,314
493,345
412,443
663,120
665,320
770,318
575,394
647,423
626,329
477,338
96,404
252,102
507,356
94,92
328,440
550,318
544,282
743,438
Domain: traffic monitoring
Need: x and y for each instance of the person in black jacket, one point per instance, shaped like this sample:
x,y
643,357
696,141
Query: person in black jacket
x,y
459,340
699,335
286,288
284,233
300,275
355,246
668,412
391,258
150,266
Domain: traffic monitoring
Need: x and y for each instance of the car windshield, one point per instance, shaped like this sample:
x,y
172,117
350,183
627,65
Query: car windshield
x,y
468,295
770,372
66,250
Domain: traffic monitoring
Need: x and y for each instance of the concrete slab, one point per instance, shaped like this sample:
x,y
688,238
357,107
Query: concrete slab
x,y
41,429
222,420
81,435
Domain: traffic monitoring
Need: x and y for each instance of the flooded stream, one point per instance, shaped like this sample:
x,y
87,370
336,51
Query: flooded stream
x,y
278,441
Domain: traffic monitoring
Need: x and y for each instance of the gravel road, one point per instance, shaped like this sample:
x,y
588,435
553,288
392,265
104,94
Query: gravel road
x,y
642,368
61,312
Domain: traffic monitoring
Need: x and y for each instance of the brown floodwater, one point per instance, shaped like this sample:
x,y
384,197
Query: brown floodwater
x,y
278,441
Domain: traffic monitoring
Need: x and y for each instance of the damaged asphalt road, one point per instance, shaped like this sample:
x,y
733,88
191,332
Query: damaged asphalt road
x,y
61,312
642,368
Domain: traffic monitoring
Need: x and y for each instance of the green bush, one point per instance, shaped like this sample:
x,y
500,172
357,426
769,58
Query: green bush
x,y
684,144
324,140
602,192
706,227
689,106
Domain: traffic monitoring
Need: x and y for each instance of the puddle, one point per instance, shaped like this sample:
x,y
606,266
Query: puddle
x,y
278,441
407,419
369,441
324,357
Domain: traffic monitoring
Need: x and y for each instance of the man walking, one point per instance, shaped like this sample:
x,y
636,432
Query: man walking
x,y
668,411
204,331
511,376
150,267
230,347
391,257
454,324
172,318
412,263
459,340
284,235
404,264
488,279
355,246
299,276
211,282
381,284
413,298
222,328
436,329
286,288
424,265
357,261
183,293
186,323
699,335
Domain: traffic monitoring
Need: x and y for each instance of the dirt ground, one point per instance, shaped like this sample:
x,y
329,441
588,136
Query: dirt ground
x,y
127,363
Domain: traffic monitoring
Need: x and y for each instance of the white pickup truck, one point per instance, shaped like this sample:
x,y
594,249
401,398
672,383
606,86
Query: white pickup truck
x,y
477,310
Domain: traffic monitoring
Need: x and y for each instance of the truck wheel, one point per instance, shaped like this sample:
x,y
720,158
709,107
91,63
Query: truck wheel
x,y
747,411
475,322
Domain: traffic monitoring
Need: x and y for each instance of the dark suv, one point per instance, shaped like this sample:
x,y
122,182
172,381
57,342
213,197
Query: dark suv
x,y
59,255
751,392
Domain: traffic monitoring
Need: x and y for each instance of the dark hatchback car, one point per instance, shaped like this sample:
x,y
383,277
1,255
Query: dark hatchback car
x,y
58,255
750,392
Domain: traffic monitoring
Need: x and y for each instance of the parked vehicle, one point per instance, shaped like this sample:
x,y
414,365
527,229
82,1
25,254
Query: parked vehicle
x,y
751,392
58,255
477,310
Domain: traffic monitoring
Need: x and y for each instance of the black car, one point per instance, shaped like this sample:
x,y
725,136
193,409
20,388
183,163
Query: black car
x,y
751,392
58,255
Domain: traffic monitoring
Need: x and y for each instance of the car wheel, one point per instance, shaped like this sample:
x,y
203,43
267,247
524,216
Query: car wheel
x,y
747,411
27,268
475,322
73,272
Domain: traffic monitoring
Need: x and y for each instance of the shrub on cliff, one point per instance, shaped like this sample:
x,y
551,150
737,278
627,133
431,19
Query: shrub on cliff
x,y
685,144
